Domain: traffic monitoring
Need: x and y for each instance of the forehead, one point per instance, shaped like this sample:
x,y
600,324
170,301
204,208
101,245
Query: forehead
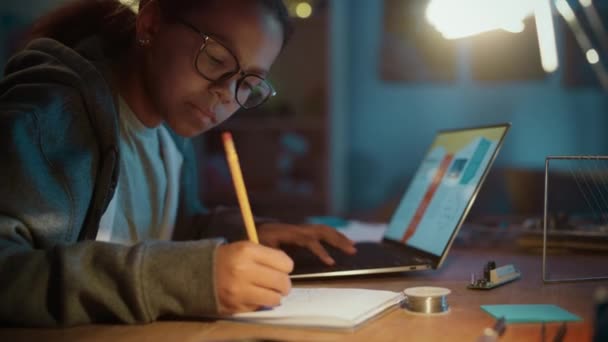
x,y
252,33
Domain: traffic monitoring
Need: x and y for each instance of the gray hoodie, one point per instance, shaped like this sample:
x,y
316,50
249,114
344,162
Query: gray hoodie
x,y
58,170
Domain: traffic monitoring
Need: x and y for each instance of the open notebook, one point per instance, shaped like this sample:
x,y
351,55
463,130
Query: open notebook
x,y
333,308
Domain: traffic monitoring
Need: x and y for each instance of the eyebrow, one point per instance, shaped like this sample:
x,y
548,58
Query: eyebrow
x,y
229,44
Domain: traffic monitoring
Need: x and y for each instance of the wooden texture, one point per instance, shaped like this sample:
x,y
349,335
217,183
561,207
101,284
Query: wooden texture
x,y
464,322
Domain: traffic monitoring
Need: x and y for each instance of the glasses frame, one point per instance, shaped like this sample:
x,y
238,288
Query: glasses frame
x,y
206,38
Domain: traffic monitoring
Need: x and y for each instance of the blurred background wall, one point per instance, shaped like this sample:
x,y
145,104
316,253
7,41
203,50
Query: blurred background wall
x,y
359,104
390,123
15,16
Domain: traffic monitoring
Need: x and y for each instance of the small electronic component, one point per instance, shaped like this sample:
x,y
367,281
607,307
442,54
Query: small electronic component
x,y
493,276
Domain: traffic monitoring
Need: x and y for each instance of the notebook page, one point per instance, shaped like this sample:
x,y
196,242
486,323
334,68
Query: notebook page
x,y
331,306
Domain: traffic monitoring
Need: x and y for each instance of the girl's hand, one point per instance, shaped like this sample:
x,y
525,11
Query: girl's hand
x,y
309,236
249,276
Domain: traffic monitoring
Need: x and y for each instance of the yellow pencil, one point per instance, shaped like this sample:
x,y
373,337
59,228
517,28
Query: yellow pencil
x,y
239,186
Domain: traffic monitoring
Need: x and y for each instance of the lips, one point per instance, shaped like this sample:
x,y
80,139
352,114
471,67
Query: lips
x,y
205,114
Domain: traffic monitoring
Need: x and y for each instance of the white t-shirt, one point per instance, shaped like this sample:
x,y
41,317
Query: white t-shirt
x,y
145,202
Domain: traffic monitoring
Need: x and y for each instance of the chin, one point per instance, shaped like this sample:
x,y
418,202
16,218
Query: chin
x,y
187,128
189,132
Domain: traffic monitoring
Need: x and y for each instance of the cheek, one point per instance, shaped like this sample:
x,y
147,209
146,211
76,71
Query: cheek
x,y
175,82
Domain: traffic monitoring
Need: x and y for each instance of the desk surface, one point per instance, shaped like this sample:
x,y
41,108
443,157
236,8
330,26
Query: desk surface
x,y
464,322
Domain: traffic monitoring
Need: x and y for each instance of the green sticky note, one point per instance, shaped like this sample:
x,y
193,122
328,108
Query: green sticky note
x,y
530,313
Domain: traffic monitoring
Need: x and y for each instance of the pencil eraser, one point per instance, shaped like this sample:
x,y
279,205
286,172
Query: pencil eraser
x,y
226,137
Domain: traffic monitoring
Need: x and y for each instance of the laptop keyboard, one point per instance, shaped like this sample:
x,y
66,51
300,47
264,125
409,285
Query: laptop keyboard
x,y
369,256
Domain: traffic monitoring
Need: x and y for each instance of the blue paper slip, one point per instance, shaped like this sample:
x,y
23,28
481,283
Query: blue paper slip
x,y
332,221
530,313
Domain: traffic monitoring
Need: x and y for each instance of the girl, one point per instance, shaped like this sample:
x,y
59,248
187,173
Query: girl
x,y
98,177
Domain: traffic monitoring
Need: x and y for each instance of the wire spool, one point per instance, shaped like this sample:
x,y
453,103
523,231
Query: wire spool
x,y
426,300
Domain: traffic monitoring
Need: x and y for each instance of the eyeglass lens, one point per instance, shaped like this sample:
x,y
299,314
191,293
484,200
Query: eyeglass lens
x,y
215,62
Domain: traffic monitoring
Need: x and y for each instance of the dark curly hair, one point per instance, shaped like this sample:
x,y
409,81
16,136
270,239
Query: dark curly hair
x,y
114,21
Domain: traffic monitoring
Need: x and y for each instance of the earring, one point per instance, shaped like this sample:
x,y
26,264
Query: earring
x,y
143,42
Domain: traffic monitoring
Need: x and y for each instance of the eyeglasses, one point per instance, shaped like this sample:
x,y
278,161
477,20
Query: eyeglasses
x,y
215,62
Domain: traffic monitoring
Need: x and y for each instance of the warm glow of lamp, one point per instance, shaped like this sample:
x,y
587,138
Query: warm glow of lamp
x,y
592,56
585,3
458,19
564,9
303,10
546,35
131,4
515,28
464,18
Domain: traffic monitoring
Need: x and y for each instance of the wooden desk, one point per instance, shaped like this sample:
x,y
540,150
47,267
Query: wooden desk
x,y
464,322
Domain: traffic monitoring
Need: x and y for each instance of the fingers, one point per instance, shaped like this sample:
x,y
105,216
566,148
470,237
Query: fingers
x,y
313,244
272,280
308,236
261,297
248,276
254,298
336,239
320,251
274,258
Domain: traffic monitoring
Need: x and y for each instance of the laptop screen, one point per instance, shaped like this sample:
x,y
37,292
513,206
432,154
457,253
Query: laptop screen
x,y
444,187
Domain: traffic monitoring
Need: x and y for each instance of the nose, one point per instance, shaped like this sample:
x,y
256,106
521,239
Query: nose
x,y
225,89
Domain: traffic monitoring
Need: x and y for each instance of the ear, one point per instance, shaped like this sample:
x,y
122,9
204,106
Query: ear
x,y
148,21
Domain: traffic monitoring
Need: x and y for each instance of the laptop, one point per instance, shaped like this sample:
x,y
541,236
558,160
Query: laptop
x,y
428,217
